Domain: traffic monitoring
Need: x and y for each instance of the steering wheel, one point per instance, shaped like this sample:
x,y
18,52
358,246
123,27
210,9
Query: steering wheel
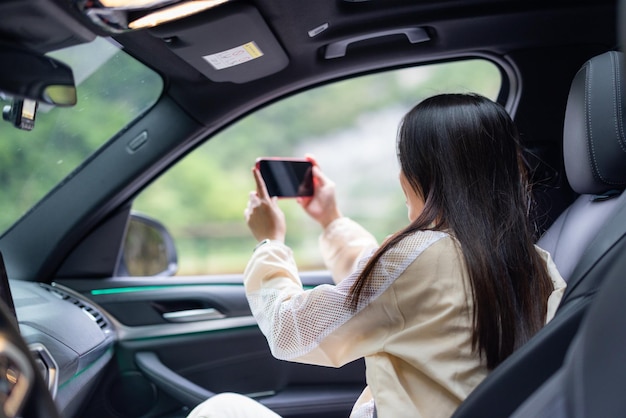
x,y
23,392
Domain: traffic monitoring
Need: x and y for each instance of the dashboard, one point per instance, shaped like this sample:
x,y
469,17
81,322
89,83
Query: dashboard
x,y
71,340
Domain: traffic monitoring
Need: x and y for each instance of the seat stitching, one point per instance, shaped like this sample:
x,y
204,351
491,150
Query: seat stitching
x,y
617,103
619,126
616,112
587,102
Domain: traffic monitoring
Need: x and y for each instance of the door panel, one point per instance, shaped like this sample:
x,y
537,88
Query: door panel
x,y
183,339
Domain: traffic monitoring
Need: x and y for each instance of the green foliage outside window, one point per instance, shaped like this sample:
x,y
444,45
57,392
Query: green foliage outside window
x,y
113,89
201,200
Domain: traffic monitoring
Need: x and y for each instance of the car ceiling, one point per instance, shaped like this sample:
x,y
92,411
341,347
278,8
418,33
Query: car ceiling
x,y
454,28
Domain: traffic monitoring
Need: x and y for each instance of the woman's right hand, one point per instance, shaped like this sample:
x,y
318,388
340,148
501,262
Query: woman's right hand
x,y
263,216
322,206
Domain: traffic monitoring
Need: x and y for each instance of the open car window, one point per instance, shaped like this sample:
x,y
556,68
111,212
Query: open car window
x,y
113,89
348,126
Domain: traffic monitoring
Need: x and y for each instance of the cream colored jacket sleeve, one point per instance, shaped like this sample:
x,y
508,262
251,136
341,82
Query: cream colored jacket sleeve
x,y
317,326
557,281
343,243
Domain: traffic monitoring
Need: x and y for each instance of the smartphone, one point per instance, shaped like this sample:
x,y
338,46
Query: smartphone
x,y
287,177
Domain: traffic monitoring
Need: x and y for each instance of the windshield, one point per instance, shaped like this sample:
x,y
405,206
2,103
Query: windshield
x,y
113,89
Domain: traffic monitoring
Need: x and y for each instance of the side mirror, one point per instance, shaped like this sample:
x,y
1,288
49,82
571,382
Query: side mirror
x,y
148,249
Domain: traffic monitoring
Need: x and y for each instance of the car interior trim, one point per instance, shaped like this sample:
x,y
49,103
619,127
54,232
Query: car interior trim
x,y
47,366
339,49
170,381
146,332
119,290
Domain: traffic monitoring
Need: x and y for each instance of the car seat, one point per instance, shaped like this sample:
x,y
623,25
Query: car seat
x,y
594,154
584,240
590,383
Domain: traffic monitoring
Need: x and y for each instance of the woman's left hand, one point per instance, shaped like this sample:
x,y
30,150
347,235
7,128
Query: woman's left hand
x,y
263,216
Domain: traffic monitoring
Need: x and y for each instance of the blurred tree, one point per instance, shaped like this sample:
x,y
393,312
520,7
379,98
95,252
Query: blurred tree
x,y
110,96
201,200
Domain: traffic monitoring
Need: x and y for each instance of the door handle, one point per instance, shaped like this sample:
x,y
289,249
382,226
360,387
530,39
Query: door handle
x,y
193,315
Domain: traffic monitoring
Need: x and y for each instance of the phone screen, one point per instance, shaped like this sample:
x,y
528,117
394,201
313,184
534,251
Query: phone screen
x,y
287,178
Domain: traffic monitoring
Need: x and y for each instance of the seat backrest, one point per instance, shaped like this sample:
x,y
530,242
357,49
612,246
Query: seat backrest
x,y
594,153
591,381
595,163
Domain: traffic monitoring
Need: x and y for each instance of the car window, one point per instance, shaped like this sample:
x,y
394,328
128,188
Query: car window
x,y
113,89
348,126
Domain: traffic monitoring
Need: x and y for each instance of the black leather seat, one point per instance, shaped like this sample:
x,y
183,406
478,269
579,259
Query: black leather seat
x,y
594,151
585,240
591,381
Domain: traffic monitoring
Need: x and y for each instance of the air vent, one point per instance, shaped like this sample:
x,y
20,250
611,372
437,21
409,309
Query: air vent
x,y
92,312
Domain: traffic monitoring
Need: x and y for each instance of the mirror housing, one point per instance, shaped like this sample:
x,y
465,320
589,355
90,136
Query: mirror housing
x,y
148,249
26,74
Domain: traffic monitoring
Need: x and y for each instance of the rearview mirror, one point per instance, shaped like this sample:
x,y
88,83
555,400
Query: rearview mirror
x,y
28,75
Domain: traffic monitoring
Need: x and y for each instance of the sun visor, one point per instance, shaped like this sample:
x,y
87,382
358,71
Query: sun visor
x,y
231,43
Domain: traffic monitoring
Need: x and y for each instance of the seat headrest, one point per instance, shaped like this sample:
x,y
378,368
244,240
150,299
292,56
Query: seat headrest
x,y
594,137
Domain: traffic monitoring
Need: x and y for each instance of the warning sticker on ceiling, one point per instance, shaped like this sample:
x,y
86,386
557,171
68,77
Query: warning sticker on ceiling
x,y
234,56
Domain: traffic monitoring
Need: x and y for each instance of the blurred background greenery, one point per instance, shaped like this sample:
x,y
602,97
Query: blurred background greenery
x,y
349,126
34,162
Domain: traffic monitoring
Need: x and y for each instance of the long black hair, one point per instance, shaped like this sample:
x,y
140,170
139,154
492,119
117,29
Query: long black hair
x,y
462,154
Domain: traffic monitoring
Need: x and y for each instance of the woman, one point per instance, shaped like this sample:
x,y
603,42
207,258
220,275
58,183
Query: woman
x,y
442,301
